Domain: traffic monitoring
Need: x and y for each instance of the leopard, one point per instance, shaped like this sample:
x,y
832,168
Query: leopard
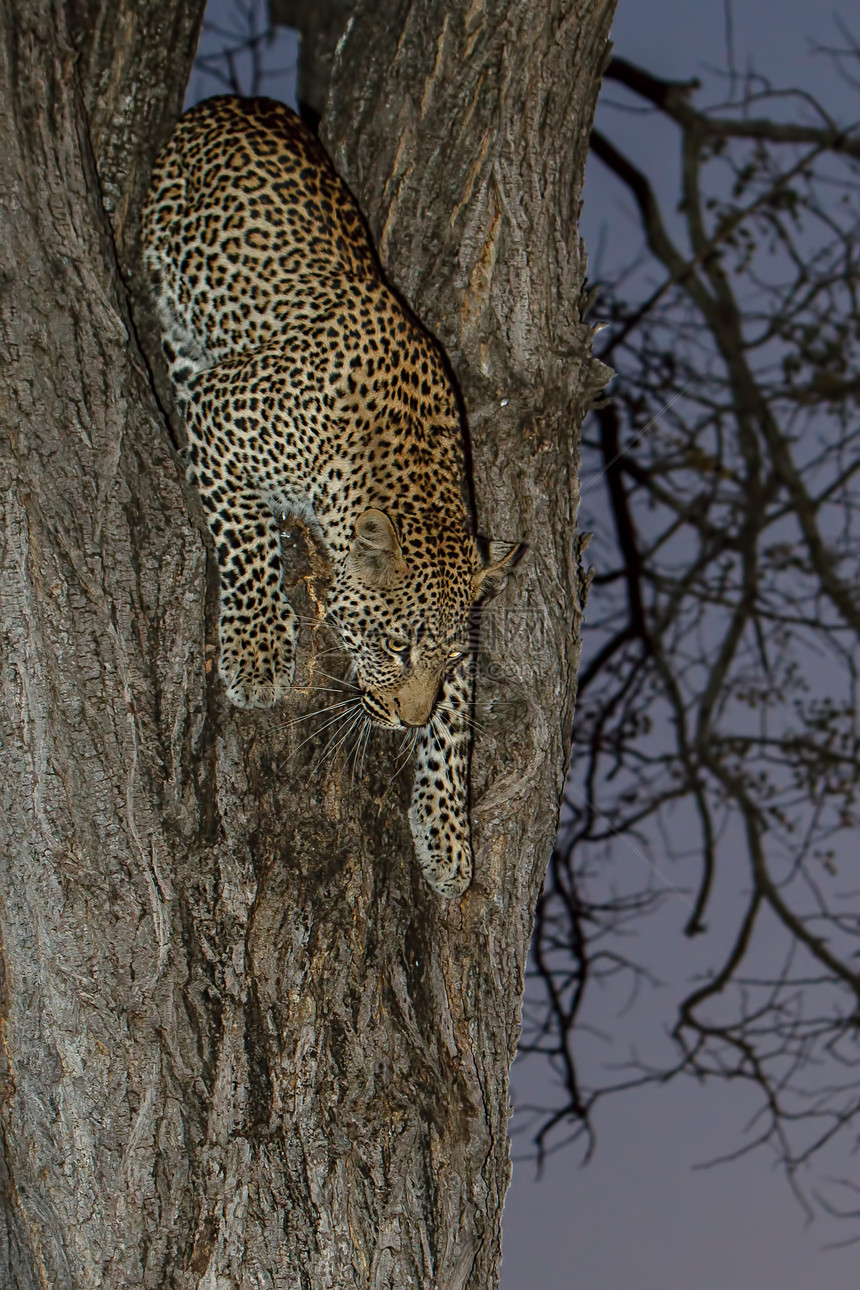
x,y
308,388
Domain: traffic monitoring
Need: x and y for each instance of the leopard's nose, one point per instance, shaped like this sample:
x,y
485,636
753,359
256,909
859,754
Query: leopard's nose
x,y
414,710
414,714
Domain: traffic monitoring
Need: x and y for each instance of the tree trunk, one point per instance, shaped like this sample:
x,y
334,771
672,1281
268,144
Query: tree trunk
x,y
244,1044
320,25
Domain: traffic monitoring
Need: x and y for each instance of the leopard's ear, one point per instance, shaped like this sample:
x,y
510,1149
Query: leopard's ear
x,y
374,554
498,563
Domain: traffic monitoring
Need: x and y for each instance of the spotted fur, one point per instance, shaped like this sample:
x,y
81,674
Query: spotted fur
x,y
307,387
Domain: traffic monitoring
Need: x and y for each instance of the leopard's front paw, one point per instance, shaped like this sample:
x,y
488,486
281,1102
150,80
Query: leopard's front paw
x,y
444,853
257,662
258,690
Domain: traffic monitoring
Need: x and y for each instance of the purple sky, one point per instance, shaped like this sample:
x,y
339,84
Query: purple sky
x,y
640,1216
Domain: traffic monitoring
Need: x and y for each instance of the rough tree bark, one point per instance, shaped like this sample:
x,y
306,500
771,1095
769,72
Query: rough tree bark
x,y
320,27
243,1044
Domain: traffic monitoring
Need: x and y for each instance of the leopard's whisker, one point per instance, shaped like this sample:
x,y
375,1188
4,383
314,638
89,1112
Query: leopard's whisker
x,y
412,738
316,712
352,755
363,741
339,744
329,676
461,715
368,731
331,740
358,746
340,717
317,689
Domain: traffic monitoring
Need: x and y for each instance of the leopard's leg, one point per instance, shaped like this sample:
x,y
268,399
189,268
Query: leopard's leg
x,y
233,463
256,627
439,814
184,350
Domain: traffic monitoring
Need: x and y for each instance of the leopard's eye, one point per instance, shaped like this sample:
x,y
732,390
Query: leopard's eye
x,y
397,644
455,655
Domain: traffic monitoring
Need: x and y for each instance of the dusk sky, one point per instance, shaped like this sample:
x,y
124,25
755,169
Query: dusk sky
x,y
641,1215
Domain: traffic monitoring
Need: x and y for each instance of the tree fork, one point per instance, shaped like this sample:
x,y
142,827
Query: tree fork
x,y
243,1043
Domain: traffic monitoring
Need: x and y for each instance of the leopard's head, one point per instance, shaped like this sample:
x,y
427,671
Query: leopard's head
x,y
404,611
